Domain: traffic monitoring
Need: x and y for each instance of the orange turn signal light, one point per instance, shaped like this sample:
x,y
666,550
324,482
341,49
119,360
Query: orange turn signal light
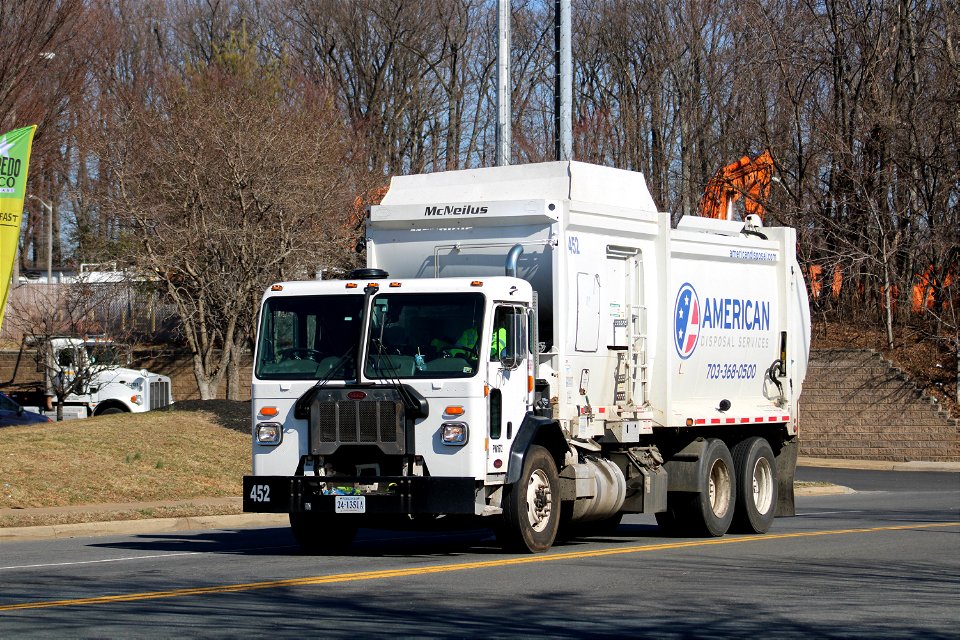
x,y
269,412
453,410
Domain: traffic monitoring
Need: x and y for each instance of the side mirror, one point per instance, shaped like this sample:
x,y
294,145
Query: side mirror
x,y
516,348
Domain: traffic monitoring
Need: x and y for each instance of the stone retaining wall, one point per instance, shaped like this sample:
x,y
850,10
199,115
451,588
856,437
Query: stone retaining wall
x,y
857,405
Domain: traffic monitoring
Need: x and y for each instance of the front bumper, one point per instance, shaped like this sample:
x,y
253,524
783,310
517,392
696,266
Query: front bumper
x,y
409,495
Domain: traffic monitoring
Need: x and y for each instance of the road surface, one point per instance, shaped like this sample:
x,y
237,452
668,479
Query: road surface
x,y
882,562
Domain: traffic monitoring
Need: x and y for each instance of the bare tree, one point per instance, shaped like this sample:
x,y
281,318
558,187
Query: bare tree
x,y
233,176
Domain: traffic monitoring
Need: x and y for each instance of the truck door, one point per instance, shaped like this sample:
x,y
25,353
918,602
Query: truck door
x,y
509,399
65,363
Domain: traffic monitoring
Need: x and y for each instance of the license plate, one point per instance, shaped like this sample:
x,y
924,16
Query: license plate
x,y
350,504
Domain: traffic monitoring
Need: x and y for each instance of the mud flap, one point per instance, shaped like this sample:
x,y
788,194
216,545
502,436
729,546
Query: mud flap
x,y
786,474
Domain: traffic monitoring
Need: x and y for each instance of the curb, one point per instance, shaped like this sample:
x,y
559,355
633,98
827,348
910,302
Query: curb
x,y
830,490
878,465
147,526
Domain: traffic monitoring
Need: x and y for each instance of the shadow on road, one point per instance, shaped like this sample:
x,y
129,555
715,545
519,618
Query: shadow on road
x,y
422,542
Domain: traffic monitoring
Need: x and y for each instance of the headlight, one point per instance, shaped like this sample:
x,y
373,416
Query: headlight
x,y
454,433
269,433
137,385
137,399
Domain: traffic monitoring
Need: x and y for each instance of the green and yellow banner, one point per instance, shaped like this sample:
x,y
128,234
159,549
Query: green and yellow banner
x,y
14,159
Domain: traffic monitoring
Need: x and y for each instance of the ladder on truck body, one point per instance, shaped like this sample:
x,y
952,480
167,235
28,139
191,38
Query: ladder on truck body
x,y
631,368
632,364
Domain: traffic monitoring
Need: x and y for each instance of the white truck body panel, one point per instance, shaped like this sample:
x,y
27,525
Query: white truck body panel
x,y
594,262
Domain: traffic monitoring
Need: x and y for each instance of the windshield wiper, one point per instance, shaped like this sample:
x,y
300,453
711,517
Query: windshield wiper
x,y
301,409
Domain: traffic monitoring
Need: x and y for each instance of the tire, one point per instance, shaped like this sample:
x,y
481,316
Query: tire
x,y
531,506
111,411
756,470
710,511
322,535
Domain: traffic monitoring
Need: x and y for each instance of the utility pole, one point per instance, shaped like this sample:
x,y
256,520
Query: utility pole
x,y
563,83
504,115
49,208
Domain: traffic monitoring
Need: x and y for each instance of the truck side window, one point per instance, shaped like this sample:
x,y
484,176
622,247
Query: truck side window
x,y
65,358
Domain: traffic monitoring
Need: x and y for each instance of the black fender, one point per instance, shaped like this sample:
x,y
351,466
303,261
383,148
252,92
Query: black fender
x,y
111,404
684,468
535,430
786,474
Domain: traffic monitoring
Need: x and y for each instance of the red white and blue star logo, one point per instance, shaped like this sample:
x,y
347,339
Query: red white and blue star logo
x,y
686,317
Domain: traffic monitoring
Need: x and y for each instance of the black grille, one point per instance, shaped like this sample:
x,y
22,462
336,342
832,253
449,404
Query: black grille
x,y
159,394
349,422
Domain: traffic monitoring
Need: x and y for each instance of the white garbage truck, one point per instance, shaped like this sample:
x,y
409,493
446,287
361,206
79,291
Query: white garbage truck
x,y
537,348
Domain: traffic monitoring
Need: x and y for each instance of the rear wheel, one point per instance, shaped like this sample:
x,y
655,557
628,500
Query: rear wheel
x,y
710,511
756,471
322,535
531,506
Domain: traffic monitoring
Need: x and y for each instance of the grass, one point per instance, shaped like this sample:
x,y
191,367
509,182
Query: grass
x,y
148,457
172,457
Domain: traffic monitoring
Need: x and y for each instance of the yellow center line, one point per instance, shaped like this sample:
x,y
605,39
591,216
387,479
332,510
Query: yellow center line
x,y
445,568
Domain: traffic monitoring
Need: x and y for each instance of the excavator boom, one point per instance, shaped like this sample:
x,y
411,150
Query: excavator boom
x,y
745,178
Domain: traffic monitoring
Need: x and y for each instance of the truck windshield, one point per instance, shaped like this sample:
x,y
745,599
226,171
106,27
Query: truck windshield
x,y
425,335
308,337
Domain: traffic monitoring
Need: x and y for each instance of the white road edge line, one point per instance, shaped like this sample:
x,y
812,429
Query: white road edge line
x,y
71,564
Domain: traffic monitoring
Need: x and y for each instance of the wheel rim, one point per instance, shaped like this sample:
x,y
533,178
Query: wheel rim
x,y
539,501
720,485
762,485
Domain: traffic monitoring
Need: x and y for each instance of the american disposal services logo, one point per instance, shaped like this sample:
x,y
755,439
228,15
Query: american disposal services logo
x,y
686,319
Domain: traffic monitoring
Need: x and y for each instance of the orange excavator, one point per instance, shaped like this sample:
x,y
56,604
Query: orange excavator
x,y
745,178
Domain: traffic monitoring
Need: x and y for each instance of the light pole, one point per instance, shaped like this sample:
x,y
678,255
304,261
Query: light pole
x,y
49,208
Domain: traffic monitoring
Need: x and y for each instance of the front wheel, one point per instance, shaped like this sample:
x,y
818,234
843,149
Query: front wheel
x,y
316,535
756,469
531,506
